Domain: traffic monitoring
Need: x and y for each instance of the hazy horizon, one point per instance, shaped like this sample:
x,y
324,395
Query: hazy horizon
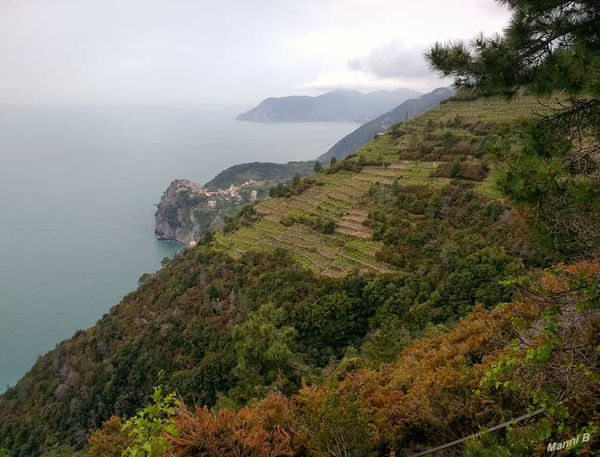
x,y
196,52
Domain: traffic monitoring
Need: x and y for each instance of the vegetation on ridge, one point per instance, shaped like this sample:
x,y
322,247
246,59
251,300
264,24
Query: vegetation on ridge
x,y
225,329
423,317
441,388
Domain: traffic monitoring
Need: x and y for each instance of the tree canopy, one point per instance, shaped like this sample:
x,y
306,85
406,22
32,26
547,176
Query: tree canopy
x,y
548,46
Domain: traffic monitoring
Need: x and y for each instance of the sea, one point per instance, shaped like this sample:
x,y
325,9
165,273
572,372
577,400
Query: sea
x,y
78,188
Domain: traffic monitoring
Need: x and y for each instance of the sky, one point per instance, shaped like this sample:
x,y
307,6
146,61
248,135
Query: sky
x,y
224,51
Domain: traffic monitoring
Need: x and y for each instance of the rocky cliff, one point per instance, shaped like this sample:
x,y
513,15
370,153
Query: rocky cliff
x,y
187,210
184,212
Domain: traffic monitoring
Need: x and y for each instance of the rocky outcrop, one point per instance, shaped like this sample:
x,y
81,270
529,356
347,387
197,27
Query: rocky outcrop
x,y
187,210
176,214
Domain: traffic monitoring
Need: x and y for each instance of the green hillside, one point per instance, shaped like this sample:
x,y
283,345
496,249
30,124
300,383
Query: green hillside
x,y
408,233
436,292
415,153
263,172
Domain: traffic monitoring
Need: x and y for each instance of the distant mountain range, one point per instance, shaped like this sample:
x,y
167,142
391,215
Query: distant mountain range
x,y
337,105
366,132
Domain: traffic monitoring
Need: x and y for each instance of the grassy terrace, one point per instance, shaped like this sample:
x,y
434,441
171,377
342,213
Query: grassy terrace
x,y
343,196
335,197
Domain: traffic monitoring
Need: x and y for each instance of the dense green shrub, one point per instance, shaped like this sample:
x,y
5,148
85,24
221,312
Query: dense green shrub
x,y
563,188
315,221
244,217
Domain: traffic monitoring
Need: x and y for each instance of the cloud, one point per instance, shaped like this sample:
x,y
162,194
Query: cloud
x,y
366,82
348,79
393,60
383,45
390,66
201,51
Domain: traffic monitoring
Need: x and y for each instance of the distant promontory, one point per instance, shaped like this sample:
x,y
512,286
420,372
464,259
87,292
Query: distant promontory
x,y
338,105
187,209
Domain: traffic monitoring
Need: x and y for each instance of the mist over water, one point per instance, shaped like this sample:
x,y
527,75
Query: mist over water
x,y
77,192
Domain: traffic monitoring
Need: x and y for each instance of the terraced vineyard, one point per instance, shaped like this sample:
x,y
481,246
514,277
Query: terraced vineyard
x,y
342,197
335,197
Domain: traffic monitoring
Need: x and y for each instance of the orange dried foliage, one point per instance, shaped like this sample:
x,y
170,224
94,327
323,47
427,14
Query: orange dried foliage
x,y
428,391
264,429
109,441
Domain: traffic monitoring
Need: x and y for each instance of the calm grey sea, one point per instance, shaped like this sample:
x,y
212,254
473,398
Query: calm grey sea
x,y
77,192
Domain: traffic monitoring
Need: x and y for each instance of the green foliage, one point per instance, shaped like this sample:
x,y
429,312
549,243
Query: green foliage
x,y
60,451
397,132
244,217
315,221
549,46
566,201
338,428
259,171
486,446
207,238
149,426
331,322
333,160
295,180
457,122
295,187
455,169
225,329
544,371
456,239
180,321
318,167
519,441
449,140
266,359
345,165
493,145
280,190
143,278
385,343
4,452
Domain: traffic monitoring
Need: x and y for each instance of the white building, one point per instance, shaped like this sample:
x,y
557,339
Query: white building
x,y
233,191
253,195
212,203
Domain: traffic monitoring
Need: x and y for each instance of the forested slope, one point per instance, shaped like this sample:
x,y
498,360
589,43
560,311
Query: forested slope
x,y
441,280
342,271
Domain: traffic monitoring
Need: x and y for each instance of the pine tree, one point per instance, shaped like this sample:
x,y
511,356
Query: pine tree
x,y
549,46
295,179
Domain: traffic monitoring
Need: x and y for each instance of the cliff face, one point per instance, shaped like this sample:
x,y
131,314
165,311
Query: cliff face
x,y
176,214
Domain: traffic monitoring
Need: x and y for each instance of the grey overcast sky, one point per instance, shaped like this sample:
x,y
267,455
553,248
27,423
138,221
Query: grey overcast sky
x,y
223,51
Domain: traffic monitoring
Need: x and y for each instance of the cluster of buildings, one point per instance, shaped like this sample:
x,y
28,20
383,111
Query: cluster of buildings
x,y
231,192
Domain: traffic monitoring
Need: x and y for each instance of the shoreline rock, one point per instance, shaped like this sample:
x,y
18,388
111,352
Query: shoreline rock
x,y
175,217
